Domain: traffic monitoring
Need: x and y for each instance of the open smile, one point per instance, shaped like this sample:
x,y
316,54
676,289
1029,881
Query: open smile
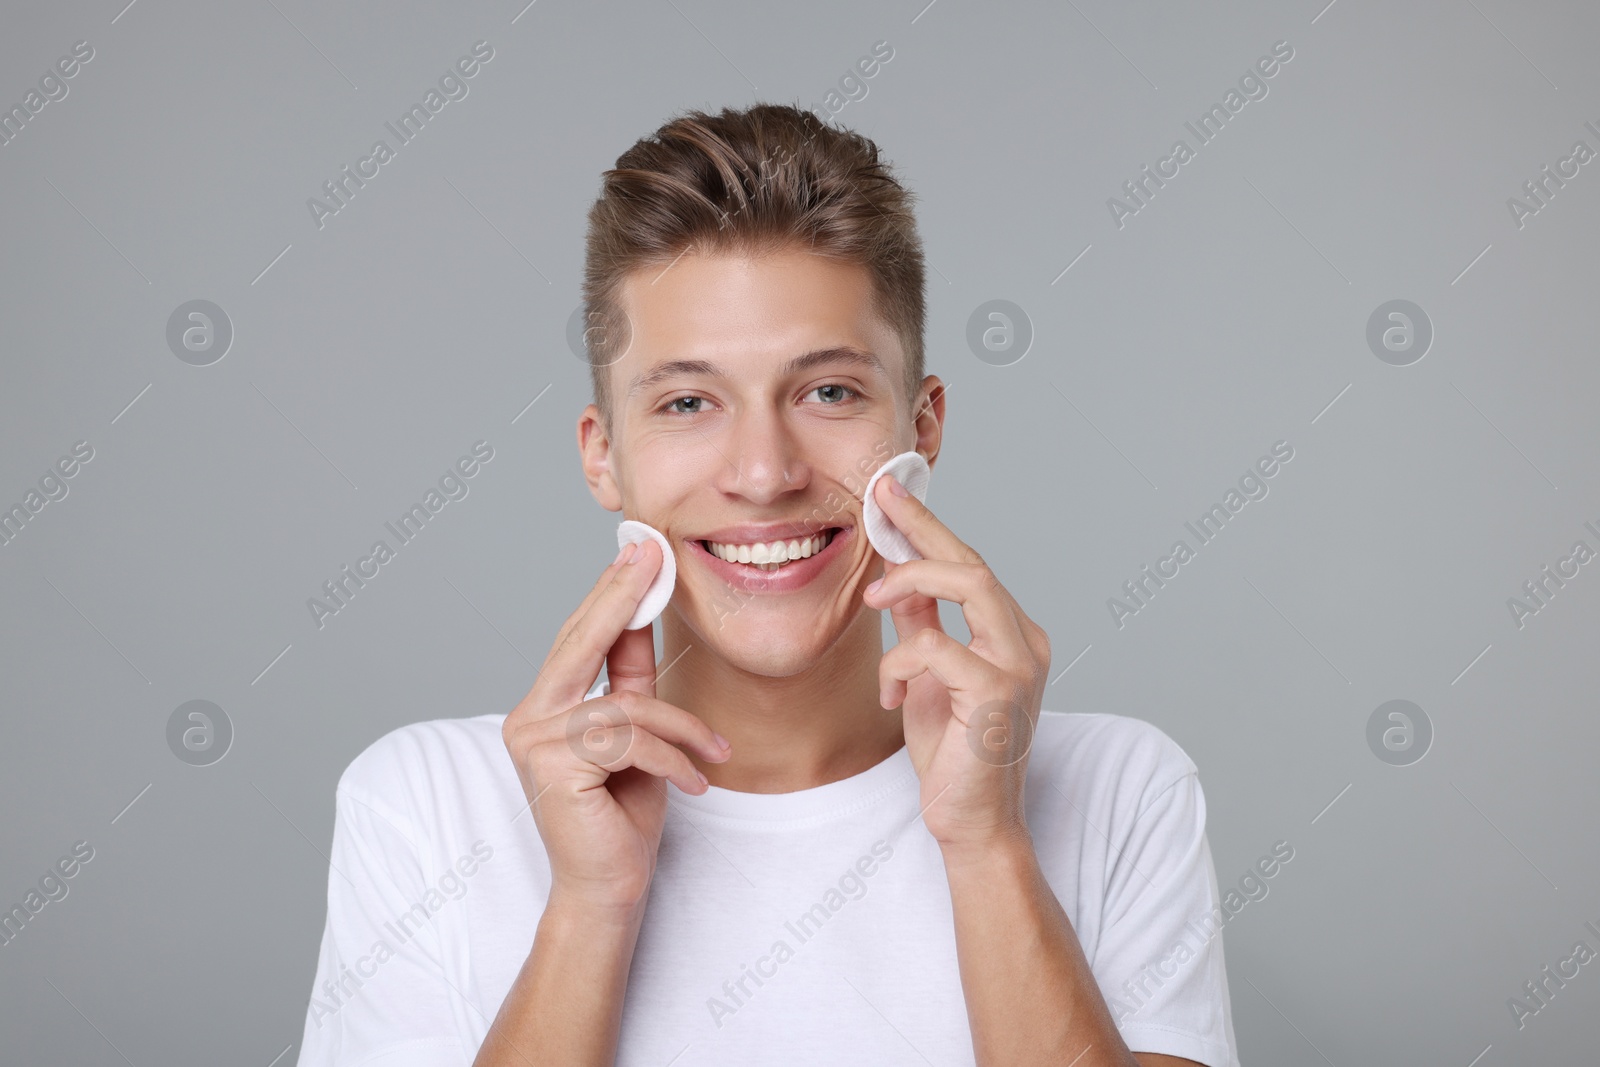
x,y
772,564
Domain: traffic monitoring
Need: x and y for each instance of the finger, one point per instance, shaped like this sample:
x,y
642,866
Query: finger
x,y
615,602
909,614
930,537
664,720
574,663
968,676
673,724
606,576
542,684
617,748
988,608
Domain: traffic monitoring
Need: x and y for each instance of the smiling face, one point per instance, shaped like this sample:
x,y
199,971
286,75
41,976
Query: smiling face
x,y
756,397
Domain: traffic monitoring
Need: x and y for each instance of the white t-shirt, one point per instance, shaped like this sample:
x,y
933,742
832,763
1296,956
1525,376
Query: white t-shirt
x,y
812,927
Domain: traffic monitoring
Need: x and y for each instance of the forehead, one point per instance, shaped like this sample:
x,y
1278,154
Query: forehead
x,y
750,313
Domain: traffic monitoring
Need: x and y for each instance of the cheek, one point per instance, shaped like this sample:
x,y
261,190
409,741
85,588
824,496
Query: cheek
x,y
656,472
855,479
850,457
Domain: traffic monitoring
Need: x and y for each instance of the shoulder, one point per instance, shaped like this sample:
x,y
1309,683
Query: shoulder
x,y
411,769
1105,758
1133,748
1115,807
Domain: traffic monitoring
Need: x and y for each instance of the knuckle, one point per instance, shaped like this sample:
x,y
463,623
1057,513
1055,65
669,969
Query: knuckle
x,y
1037,670
597,731
979,574
629,702
572,638
518,731
1037,639
536,761
926,639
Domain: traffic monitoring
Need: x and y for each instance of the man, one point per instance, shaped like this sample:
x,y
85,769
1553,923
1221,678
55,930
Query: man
x,y
779,844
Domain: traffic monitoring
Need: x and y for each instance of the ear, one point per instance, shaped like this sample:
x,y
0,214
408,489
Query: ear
x,y
929,418
594,449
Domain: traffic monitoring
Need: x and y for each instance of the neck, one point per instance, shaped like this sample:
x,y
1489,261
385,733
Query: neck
x,y
821,725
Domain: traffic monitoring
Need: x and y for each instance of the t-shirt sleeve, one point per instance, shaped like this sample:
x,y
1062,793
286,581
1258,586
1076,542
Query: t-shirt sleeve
x,y
380,997
1159,961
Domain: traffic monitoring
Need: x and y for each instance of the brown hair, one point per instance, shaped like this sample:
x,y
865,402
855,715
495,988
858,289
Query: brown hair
x,y
751,182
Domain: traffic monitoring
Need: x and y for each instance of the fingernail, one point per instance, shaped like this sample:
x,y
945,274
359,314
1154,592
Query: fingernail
x,y
873,588
630,553
620,553
894,485
702,778
722,741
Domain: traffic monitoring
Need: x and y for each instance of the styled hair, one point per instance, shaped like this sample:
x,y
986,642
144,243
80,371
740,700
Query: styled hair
x,y
750,182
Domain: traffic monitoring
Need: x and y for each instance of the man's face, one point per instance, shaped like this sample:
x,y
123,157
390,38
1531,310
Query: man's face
x,y
755,399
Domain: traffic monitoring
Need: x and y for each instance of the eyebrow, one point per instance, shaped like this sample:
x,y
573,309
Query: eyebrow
x,y
847,354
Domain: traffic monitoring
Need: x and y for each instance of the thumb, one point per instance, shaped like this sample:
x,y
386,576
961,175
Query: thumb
x,y
631,662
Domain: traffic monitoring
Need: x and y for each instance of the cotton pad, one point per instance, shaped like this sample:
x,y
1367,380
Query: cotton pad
x,y
911,471
630,532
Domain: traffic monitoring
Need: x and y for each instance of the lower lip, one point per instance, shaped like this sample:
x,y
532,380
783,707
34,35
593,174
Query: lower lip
x,y
785,579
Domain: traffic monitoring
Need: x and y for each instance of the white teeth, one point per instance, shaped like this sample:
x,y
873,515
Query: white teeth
x,y
771,555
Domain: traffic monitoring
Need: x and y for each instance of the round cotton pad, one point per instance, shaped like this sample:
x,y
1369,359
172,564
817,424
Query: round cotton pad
x,y
911,471
630,532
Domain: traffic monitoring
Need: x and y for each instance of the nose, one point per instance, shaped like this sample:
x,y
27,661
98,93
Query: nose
x,y
765,459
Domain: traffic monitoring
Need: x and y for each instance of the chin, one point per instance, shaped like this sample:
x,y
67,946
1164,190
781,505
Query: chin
x,y
772,648
762,657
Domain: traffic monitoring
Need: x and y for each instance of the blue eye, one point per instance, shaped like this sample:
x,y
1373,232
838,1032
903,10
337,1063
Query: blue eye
x,y
830,395
672,405
835,389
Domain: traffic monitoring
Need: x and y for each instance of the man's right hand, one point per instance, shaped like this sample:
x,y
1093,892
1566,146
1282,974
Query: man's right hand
x,y
590,768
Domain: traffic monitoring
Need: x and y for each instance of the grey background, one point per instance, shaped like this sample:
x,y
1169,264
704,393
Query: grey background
x,y
1227,315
